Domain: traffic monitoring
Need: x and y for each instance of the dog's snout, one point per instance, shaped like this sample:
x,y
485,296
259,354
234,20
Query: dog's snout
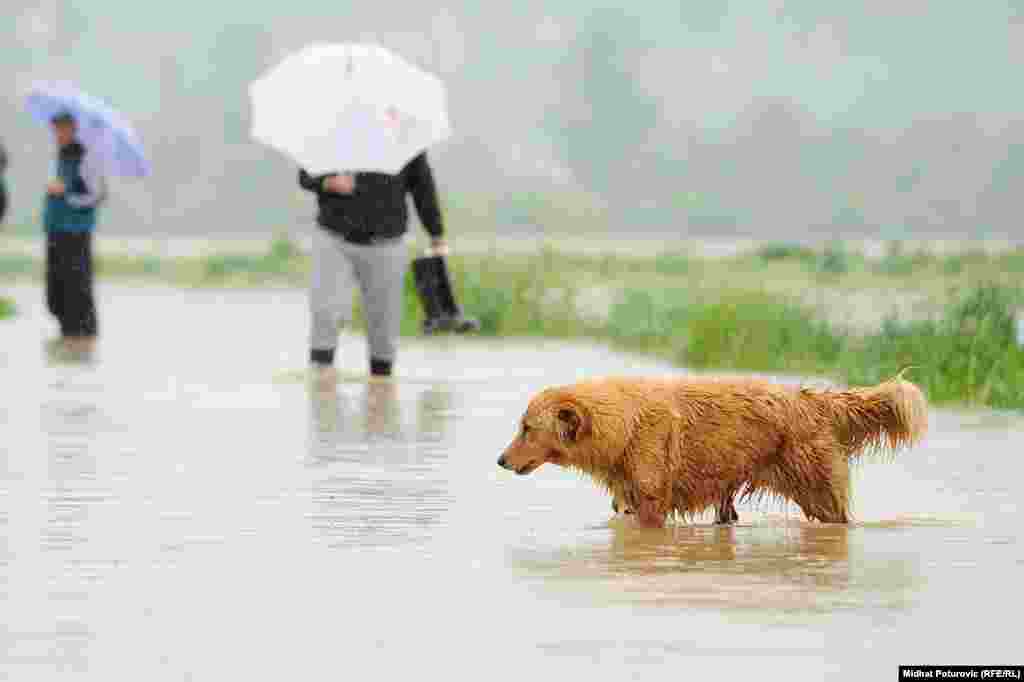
x,y
502,463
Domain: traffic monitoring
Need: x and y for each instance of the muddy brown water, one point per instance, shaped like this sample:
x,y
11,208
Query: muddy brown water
x,y
185,508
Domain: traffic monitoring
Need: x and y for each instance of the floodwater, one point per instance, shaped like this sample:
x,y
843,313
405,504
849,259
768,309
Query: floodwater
x,y
185,508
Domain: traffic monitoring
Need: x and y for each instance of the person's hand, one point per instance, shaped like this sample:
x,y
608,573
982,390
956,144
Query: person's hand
x,y
438,247
344,183
55,188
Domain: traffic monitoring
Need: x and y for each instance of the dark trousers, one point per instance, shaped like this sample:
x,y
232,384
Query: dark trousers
x,y
69,282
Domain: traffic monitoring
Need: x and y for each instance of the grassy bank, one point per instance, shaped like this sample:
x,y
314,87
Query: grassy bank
x,y
6,308
783,308
963,345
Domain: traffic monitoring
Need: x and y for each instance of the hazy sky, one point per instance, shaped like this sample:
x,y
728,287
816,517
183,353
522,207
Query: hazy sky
x,y
749,116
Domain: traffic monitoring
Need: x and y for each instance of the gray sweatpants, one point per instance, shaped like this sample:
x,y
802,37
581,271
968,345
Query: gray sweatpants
x,y
379,271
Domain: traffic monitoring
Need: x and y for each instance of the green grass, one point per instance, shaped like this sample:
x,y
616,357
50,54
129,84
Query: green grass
x,y
760,332
6,308
784,308
672,263
16,265
899,262
969,355
780,251
282,258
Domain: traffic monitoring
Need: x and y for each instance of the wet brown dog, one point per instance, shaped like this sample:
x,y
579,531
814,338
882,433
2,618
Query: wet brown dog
x,y
686,444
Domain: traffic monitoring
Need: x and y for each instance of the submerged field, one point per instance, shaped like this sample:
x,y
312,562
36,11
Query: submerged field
x,y
780,308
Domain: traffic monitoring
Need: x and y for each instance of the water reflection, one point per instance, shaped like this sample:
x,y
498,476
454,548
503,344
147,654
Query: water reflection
x,y
56,352
70,425
797,566
384,485
435,409
382,412
783,550
342,423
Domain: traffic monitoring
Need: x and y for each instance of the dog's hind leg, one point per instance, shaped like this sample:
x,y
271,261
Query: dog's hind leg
x,y
725,510
839,483
818,508
824,496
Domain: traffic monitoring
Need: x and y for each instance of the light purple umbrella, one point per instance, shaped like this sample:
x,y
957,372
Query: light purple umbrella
x,y
101,129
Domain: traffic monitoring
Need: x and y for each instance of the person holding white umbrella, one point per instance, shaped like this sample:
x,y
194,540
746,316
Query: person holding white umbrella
x,y
361,220
358,120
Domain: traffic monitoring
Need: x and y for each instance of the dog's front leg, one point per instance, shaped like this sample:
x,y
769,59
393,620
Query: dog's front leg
x,y
645,468
651,512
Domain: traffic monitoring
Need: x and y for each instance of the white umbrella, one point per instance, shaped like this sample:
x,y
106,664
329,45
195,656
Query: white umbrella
x,y
348,107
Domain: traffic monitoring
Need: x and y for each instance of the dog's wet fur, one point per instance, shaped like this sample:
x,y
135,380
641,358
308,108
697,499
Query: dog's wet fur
x,y
664,446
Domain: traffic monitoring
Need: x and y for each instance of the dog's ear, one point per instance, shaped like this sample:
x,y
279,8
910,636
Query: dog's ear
x,y
571,422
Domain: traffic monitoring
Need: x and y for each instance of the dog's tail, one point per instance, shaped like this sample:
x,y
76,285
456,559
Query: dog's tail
x,y
882,418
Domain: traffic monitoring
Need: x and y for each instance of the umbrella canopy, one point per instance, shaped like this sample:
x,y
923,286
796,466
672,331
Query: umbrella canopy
x,y
348,107
102,130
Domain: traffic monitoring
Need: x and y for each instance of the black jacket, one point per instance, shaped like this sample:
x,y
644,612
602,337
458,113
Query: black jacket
x,y
377,208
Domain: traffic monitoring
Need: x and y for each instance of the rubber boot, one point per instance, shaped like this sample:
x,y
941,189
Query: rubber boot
x,y
434,287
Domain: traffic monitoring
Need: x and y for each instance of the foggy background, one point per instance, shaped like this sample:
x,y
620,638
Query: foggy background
x,y
767,119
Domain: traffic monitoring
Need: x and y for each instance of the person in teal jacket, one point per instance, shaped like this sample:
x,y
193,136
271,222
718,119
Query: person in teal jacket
x,y
73,194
